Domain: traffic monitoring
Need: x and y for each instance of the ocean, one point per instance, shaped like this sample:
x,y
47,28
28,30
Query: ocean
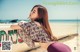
x,y
67,23
59,21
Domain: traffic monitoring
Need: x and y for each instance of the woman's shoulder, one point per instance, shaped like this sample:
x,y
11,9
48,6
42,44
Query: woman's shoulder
x,y
29,24
23,23
38,24
32,23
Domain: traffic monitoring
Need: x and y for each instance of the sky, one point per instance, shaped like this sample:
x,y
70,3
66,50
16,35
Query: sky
x,y
57,9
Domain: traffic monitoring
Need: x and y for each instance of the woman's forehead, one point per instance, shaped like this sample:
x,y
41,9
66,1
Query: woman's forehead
x,y
35,8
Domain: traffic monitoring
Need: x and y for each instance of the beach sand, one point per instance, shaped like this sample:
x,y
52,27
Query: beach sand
x,y
59,30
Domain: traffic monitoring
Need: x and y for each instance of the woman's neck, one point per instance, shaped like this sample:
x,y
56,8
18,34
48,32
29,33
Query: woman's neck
x,y
38,24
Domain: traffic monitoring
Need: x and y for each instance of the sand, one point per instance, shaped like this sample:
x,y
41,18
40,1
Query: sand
x,y
59,30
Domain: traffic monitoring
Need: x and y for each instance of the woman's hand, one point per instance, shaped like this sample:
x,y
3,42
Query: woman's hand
x,y
54,38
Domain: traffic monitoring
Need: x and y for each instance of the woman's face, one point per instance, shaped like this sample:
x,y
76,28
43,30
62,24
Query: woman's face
x,y
34,13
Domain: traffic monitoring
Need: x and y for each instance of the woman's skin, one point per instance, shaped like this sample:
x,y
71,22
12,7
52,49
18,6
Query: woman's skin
x,y
33,15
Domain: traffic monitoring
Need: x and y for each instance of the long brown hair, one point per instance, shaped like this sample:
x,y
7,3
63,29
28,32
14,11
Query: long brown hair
x,y
43,19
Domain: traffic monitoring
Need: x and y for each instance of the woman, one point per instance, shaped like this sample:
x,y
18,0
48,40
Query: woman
x,y
38,30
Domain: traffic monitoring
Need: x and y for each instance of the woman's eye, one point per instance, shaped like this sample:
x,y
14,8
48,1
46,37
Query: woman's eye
x,y
33,11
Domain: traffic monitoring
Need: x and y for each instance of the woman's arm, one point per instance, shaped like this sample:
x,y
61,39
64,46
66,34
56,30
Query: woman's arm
x,y
15,27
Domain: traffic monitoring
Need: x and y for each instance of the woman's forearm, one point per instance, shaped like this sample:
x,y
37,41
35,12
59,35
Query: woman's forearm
x,y
15,27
